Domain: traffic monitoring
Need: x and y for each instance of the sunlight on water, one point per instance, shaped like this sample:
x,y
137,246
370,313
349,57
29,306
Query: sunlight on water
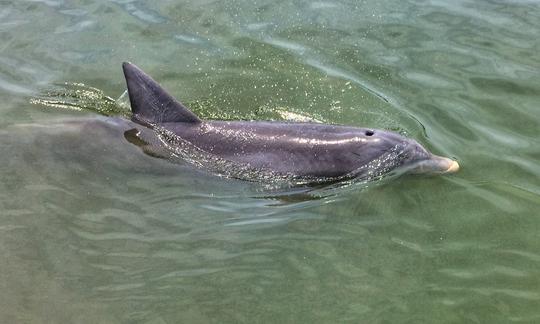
x,y
77,96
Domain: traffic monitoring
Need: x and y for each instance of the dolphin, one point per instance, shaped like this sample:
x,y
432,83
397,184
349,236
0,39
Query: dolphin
x,y
303,151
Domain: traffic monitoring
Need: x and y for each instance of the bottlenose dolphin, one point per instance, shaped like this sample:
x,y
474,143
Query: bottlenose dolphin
x,y
309,152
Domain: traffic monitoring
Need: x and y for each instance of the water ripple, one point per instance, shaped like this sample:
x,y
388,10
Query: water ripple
x,y
94,230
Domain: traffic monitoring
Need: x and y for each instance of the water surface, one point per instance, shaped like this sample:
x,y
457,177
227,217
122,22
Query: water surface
x,y
94,230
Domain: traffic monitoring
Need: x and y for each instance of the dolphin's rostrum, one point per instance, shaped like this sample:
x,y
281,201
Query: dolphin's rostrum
x,y
309,152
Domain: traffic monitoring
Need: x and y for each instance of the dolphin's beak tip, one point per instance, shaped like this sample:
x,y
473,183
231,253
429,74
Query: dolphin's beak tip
x,y
453,168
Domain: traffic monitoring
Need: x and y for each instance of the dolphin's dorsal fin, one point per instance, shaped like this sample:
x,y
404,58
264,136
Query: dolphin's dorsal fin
x,y
150,103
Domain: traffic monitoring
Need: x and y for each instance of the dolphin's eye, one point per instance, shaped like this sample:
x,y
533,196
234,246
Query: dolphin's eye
x,y
369,133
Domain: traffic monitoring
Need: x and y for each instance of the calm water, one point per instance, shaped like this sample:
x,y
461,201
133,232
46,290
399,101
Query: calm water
x,y
93,230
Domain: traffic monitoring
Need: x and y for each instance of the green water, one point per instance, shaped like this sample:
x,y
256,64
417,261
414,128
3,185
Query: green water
x,y
92,230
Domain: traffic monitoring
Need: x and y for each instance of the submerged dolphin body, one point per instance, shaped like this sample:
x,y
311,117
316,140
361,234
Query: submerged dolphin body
x,y
311,152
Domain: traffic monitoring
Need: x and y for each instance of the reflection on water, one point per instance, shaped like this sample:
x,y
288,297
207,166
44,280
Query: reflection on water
x,y
94,230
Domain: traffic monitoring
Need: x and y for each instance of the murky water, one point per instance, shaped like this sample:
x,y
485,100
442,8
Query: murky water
x,y
94,230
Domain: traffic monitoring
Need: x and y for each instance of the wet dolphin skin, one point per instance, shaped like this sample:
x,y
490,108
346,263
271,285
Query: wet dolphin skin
x,y
302,150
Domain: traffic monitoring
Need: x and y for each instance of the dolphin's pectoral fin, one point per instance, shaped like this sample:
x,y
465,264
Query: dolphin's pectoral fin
x,y
147,142
150,103
132,136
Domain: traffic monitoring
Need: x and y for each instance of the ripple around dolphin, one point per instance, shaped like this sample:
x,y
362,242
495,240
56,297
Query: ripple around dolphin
x,y
10,86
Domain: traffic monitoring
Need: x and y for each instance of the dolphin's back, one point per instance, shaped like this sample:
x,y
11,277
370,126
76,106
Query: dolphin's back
x,y
302,149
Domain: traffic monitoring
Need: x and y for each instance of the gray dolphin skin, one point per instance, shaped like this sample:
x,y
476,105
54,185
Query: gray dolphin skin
x,y
312,152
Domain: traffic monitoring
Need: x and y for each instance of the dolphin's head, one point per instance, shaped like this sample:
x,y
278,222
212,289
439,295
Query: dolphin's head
x,y
410,155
